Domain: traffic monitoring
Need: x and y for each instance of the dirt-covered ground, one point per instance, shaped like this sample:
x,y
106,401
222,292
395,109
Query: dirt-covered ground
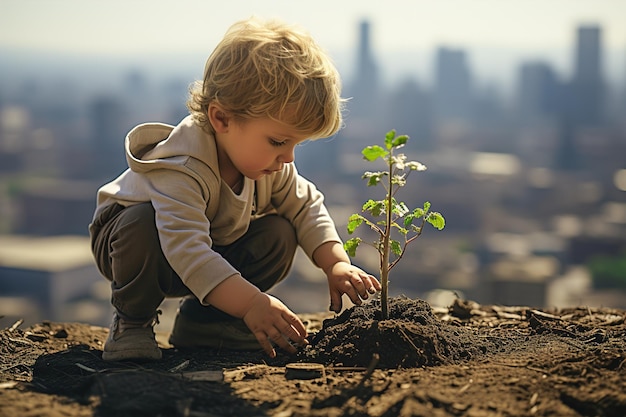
x,y
466,360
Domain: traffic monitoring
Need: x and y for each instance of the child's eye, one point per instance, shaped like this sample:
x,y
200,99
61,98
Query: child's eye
x,y
274,142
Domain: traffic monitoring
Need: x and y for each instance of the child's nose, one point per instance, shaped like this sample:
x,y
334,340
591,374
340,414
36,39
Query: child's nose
x,y
287,157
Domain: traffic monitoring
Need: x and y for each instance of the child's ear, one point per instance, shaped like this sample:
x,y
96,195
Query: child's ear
x,y
218,117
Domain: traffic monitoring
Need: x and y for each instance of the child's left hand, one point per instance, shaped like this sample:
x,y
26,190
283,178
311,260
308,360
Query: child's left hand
x,y
344,278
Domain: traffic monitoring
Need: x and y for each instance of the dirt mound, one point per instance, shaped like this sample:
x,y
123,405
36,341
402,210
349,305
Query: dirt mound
x,y
412,337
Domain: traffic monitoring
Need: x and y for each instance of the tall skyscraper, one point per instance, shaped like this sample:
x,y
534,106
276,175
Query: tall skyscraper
x,y
365,89
588,104
584,97
588,54
539,93
452,93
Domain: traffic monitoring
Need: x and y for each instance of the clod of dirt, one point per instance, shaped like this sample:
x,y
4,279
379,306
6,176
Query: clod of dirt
x,y
412,337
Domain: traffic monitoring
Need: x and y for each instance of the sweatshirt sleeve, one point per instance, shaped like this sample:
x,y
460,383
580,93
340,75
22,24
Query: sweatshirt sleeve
x,y
180,202
299,201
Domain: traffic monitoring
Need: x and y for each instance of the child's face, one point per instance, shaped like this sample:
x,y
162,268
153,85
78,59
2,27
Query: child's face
x,y
258,147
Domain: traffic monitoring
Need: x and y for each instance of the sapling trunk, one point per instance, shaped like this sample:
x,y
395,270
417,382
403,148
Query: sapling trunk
x,y
384,255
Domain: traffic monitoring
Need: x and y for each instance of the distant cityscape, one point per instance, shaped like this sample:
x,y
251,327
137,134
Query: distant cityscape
x,y
533,189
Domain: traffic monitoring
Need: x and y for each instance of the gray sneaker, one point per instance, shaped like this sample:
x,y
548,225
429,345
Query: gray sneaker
x,y
131,340
232,334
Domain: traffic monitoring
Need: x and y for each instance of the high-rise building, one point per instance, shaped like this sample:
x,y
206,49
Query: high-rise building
x,y
452,93
588,65
588,104
539,94
364,90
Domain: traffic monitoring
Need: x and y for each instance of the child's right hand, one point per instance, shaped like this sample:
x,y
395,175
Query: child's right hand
x,y
271,321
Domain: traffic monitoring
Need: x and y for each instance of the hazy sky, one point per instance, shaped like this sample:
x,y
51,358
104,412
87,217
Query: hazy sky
x,y
153,25
158,26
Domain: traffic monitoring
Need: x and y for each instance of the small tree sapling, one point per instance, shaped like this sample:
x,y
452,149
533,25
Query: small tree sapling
x,y
389,214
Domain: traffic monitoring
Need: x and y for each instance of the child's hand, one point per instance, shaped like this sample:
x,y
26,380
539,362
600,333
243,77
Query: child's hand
x,y
270,320
344,278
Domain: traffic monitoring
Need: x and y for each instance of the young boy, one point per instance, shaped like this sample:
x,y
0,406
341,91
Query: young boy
x,y
213,209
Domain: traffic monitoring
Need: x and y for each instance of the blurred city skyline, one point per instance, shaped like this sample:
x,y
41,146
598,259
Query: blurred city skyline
x,y
162,39
524,144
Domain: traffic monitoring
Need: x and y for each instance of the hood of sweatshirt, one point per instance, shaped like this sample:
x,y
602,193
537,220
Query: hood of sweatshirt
x,y
157,145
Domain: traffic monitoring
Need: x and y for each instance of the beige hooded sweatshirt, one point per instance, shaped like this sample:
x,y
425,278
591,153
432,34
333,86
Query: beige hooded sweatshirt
x,y
176,169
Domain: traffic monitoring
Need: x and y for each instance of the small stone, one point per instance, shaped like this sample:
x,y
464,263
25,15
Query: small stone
x,y
304,371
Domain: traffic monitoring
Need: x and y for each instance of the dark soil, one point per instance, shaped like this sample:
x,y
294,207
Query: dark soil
x,y
466,360
413,337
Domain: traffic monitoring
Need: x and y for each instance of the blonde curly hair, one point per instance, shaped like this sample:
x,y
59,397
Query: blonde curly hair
x,y
268,69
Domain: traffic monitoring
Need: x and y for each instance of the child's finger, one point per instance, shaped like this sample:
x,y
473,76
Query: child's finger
x,y
358,284
336,303
372,284
294,329
265,343
278,337
354,295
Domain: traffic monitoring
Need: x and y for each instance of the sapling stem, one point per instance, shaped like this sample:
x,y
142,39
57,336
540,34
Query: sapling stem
x,y
384,263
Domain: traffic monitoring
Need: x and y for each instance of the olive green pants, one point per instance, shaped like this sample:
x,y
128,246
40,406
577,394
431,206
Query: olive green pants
x,y
128,253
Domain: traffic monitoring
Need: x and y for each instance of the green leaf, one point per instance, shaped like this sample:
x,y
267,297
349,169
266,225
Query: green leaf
x,y
350,246
374,207
371,153
395,247
436,219
373,178
354,221
418,213
368,205
389,138
399,141
426,206
408,219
